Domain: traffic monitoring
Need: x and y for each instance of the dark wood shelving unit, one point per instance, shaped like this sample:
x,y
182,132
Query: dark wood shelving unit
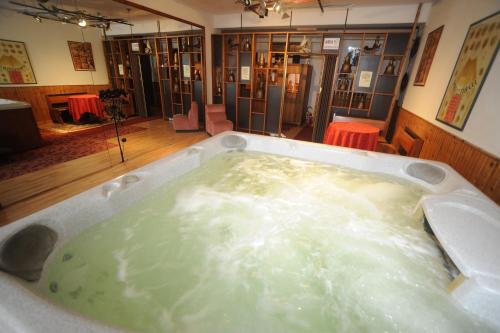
x,y
269,62
179,66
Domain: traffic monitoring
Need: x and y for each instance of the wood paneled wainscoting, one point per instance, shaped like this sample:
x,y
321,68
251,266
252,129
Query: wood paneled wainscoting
x,y
478,167
36,96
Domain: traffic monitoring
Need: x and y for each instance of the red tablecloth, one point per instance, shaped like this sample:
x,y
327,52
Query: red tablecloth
x,y
352,135
79,104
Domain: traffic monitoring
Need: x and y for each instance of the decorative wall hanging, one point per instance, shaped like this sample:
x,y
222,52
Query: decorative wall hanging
x,y
81,54
427,56
15,66
474,61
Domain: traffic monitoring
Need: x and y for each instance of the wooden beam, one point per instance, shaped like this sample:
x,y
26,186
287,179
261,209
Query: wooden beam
x,y
157,12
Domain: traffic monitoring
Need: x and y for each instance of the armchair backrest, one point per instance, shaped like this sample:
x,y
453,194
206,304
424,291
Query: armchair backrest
x,y
214,108
193,113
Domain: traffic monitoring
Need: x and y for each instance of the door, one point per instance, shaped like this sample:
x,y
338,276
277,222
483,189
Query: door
x,y
140,102
322,111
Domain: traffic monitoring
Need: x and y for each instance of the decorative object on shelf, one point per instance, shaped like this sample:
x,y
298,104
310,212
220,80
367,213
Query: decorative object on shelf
x,y
427,56
176,60
375,47
218,78
147,47
247,46
331,43
273,76
262,60
293,81
231,76
78,17
260,85
478,52
245,73
15,65
232,45
186,71
365,79
183,44
176,85
197,75
113,100
346,66
390,68
361,101
81,55
305,45
344,84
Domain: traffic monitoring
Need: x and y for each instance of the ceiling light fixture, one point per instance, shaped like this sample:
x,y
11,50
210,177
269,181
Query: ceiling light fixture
x,y
41,11
82,23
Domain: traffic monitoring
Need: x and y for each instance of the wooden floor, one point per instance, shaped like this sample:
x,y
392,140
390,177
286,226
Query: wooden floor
x,y
26,194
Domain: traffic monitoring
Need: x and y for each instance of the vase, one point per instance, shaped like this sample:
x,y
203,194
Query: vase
x,y
346,66
389,70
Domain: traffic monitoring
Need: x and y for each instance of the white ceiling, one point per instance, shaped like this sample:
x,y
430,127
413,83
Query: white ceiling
x,y
230,6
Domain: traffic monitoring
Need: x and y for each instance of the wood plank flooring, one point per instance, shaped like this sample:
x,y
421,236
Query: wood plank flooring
x,y
26,194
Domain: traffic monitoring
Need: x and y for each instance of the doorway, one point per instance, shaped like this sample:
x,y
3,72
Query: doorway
x,y
302,91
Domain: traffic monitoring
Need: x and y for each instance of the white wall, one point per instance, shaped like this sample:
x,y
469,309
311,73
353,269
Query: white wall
x,y
47,47
180,10
331,16
483,127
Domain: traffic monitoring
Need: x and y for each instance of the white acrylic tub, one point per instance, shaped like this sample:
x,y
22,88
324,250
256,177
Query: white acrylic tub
x,y
466,223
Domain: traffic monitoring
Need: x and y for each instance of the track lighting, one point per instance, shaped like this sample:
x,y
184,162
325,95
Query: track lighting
x,y
82,23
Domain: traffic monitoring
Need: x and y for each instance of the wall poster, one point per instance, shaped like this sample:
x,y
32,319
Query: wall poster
x,y
15,66
81,54
427,56
474,61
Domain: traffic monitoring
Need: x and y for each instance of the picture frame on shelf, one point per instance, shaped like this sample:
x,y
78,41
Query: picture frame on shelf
x,y
430,48
474,61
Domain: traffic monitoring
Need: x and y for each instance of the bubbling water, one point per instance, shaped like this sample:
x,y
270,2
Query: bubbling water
x,y
259,243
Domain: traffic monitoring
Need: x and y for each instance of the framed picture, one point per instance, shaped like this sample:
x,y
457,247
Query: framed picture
x,y
81,54
427,56
331,43
365,79
245,73
15,65
473,64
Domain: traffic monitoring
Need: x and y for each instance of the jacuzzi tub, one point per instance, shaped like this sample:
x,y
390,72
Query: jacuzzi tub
x,y
465,222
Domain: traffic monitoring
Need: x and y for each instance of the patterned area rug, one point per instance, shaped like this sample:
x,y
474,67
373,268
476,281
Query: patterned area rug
x,y
60,148
70,128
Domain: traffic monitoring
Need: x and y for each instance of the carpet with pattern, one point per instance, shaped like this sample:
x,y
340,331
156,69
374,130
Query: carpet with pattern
x,y
60,148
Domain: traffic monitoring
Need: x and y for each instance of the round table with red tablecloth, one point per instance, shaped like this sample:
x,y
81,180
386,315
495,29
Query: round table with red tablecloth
x,y
79,104
352,135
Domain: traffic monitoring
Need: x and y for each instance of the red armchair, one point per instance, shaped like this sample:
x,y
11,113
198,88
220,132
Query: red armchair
x,y
182,122
215,119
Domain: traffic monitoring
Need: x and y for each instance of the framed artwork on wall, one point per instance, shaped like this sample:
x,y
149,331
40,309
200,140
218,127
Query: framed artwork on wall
x,y
15,65
81,54
427,56
471,69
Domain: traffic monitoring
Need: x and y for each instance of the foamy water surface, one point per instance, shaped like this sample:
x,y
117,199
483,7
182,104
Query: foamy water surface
x,y
260,243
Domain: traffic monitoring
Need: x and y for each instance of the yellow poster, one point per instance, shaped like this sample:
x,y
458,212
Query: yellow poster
x,y
478,53
15,66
